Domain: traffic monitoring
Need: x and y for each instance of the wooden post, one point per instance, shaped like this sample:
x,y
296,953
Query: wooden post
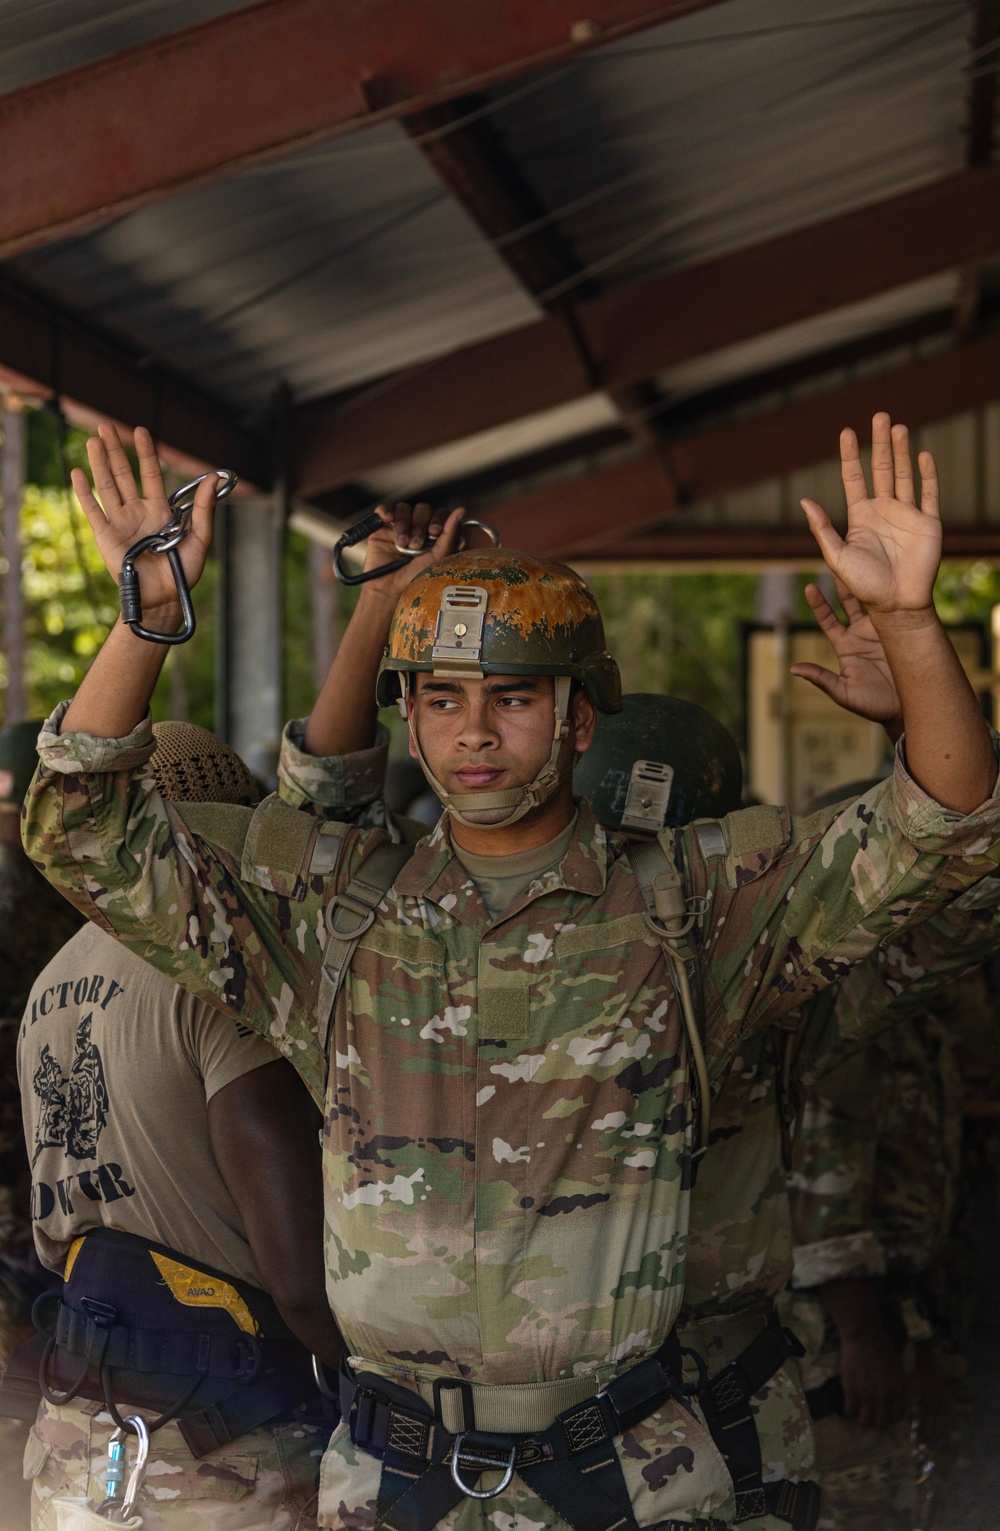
x,y
12,467
325,599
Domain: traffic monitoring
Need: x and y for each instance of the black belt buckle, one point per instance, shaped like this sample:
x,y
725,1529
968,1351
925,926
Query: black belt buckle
x,y
102,1313
456,1385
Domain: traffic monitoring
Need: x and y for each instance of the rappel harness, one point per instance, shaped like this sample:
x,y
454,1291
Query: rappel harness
x,y
139,1324
167,540
436,1443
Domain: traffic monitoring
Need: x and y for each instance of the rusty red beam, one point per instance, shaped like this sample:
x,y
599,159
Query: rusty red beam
x,y
638,330
95,142
772,544
603,512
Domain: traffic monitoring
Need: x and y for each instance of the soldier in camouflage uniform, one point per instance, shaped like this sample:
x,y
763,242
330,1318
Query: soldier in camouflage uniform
x,y
34,924
508,1132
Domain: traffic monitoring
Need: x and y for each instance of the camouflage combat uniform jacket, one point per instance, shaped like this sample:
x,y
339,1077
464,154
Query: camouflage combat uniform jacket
x,y
507,1137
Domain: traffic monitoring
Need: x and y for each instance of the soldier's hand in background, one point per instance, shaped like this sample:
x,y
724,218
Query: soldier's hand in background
x,y
123,514
345,716
865,685
890,555
871,1369
406,528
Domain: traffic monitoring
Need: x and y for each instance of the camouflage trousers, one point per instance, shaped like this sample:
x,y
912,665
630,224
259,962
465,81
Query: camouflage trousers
x,y
265,1481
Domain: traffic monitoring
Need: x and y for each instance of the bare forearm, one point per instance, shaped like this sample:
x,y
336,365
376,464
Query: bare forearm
x,y
313,1324
114,694
948,747
345,716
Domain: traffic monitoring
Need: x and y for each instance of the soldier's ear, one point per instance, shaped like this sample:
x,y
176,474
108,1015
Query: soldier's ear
x,y
584,715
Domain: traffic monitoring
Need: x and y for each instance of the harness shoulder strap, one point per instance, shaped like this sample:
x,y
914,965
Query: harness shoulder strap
x,y
655,872
348,917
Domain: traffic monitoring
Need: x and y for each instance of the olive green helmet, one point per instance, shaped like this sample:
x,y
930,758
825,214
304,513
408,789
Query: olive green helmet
x,y
493,612
496,612
660,762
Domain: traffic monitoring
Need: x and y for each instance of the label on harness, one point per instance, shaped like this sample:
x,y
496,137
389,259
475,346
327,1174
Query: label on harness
x,y
196,1290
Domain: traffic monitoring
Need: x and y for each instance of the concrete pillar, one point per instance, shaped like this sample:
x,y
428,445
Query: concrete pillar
x,y
12,468
249,709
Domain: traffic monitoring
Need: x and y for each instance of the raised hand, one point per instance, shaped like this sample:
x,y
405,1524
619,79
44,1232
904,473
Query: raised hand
x,y
865,685
123,515
890,556
409,527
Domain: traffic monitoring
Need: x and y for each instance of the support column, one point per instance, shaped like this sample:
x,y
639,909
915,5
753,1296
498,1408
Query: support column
x,y
325,597
12,469
248,710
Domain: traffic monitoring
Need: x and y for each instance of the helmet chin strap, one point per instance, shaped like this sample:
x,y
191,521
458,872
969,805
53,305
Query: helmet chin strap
x,y
497,810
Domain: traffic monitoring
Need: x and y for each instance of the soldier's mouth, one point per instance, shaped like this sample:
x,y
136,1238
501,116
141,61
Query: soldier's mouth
x,y
478,776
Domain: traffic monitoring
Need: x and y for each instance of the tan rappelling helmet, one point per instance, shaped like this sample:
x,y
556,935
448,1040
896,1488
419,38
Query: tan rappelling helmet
x,y
495,612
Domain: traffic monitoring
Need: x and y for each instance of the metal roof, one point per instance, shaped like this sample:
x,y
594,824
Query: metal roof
x,y
331,268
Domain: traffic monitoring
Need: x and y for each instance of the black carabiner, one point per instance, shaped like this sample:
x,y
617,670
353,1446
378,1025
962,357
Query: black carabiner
x,y
371,523
167,540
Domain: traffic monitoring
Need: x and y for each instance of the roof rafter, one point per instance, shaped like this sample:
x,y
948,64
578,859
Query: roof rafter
x,y
67,358
633,332
607,511
95,142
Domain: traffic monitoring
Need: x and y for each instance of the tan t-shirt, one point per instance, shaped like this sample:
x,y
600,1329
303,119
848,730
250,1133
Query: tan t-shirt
x,y
500,879
116,1066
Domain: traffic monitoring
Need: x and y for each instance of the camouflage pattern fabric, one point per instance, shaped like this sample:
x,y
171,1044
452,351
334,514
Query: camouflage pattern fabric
x,y
508,1131
265,1481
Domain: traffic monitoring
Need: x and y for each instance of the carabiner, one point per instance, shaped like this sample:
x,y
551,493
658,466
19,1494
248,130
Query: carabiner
x,y
112,1508
167,540
371,523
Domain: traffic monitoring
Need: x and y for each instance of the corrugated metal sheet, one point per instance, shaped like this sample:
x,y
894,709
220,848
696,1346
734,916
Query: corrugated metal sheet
x,y
39,38
333,267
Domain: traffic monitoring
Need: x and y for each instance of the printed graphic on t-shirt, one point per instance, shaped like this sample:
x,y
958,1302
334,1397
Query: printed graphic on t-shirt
x,y
74,1107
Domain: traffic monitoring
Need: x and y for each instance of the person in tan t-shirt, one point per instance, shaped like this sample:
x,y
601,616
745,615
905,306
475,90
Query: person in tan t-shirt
x,y
199,1139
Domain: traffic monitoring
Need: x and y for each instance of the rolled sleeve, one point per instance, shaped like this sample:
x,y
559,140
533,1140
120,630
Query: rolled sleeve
x,y
338,785
945,831
848,1257
74,754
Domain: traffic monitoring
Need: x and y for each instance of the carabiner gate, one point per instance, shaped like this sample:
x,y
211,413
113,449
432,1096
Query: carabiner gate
x,y
371,523
167,540
112,1508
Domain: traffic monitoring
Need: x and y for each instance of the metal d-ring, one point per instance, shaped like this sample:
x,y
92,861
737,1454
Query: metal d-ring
x,y
483,1463
372,523
167,540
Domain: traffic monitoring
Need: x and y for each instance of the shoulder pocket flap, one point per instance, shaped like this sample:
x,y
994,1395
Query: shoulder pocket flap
x,y
222,824
405,944
601,936
757,838
276,849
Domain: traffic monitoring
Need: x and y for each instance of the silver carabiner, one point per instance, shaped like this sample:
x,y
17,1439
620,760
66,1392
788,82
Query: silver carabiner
x,y
373,523
482,1463
166,540
112,1508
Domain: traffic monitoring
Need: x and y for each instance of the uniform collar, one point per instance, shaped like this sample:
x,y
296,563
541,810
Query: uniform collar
x,y
434,871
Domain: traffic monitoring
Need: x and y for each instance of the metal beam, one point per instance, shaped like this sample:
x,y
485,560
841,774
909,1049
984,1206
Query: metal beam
x,y
63,356
96,142
602,512
980,111
635,331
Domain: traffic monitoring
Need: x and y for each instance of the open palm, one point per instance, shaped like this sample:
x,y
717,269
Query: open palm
x,y
890,555
865,685
123,515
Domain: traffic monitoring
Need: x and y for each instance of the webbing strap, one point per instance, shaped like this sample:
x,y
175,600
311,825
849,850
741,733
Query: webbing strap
x,y
237,1358
648,861
349,915
796,1503
725,1400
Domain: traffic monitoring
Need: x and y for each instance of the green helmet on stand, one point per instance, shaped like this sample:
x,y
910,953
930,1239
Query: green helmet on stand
x,y
659,763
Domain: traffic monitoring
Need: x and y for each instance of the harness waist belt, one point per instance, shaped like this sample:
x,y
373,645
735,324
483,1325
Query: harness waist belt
x,y
498,1409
